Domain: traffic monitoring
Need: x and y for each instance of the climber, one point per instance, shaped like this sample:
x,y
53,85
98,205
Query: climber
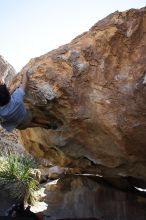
x,y
13,113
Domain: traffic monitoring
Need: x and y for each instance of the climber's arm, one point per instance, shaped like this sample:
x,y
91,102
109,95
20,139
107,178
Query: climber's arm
x,y
19,93
25,80
23,84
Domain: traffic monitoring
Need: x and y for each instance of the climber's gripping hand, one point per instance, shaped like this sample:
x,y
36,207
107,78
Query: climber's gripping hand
x,y
29,72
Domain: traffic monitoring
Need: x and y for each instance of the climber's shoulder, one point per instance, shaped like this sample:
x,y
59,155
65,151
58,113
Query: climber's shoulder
x,y
18,94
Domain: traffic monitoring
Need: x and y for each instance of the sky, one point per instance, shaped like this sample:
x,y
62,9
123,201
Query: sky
x,y
31,28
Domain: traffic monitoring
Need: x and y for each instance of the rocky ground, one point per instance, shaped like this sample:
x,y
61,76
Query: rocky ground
x,y
83,196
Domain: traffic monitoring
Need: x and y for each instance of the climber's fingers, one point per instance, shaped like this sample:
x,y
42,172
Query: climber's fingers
x,y
31,82
2,81
32,86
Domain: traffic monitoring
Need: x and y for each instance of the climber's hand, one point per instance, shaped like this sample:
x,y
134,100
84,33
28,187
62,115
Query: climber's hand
x,y
31,85
29,72
2,81
25,80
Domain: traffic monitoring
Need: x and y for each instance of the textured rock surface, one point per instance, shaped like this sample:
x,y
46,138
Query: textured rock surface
x,y
7,72
9,142
95,89
81,197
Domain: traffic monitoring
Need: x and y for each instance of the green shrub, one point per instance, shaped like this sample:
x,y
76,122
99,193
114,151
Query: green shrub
x,y
15,177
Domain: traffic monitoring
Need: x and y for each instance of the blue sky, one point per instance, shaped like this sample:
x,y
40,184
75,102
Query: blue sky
x,y
30,28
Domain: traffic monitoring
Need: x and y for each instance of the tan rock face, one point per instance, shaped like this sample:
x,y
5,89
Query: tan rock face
x,y
82,197
9,142
94,88
7,72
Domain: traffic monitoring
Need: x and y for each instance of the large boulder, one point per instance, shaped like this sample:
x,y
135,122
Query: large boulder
x,y
94,89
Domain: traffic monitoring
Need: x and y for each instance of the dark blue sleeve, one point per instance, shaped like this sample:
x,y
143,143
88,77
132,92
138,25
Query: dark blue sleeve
x,y
18,95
